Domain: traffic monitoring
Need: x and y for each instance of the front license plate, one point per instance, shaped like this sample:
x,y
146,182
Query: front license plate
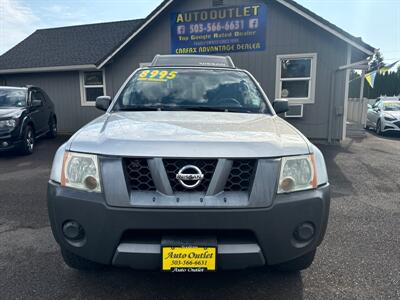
x,y
189,259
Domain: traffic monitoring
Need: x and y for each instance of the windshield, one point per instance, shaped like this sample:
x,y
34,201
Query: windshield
x,y
12,98
191,89
391,106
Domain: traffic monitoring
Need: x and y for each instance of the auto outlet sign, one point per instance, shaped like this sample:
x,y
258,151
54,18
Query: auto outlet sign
x,y
220,30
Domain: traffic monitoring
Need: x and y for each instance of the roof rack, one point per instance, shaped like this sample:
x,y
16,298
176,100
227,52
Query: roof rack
x,y
193,61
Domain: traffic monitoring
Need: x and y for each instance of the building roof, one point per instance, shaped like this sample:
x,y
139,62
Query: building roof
x,y
68,46
94,45
333,28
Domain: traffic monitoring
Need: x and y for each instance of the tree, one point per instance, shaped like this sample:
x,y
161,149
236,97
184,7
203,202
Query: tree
x,y
385,84
377,61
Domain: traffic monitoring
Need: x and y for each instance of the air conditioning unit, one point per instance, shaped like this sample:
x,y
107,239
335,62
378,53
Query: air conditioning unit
x,y
295,111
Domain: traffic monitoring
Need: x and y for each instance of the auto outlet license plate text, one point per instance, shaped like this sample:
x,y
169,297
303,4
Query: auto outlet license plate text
x,y
189,259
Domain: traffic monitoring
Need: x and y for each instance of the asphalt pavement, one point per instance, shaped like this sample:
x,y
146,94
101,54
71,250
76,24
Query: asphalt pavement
x,y
359,258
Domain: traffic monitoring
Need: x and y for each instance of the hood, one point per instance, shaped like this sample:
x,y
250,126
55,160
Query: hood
x,y
189,134
395,114
10,112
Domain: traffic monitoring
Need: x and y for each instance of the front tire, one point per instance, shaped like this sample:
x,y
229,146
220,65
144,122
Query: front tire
x,y
297,264
379,128
79,263
28,140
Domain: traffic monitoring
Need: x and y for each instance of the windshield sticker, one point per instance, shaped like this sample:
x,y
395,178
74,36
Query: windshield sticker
x,y
157,75
391,104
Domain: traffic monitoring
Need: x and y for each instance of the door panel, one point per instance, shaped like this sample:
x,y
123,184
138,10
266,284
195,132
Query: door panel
x,y
374,113
38,113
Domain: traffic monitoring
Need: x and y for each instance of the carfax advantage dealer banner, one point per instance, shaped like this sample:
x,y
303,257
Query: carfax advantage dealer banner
x,y
219,30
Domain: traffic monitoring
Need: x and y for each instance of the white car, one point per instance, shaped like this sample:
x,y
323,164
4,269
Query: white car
x,y
384,116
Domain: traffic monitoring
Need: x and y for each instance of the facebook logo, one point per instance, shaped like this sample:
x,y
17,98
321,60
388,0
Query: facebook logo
x,y
180,30
253,23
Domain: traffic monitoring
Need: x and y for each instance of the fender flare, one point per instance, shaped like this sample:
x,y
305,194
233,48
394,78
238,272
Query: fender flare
x,y
27,119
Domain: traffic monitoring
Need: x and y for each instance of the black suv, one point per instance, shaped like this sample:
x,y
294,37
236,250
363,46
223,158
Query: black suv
x,y
26,113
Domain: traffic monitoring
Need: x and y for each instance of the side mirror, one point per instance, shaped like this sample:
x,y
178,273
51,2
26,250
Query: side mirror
x,y
37,103
103,102
280,106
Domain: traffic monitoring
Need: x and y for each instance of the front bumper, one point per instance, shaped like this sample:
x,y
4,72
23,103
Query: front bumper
x,y
390,125
7,144
10,140
132,236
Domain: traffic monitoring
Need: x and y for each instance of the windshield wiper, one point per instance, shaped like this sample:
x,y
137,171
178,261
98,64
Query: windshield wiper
x,y
218,109
140,108
185,108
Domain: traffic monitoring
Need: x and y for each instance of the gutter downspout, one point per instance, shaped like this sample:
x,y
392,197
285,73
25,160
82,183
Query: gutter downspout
x,y
331,106
363,111
346,94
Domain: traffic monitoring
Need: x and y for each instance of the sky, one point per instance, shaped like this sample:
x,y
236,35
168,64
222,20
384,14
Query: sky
x,y
376,21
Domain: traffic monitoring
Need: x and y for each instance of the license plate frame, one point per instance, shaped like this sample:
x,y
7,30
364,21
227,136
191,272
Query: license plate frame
x,y
183,258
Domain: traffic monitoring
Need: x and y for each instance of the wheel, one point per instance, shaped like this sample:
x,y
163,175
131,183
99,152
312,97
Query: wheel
x,y
79,263
379,128
297,264
28,140
52,128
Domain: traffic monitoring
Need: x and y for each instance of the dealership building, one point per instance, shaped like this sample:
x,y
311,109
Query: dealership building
x,y
292,52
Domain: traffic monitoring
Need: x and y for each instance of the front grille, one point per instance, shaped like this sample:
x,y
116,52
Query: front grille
x,y
241,175
4,133
207,167
156,235
397,123
138,174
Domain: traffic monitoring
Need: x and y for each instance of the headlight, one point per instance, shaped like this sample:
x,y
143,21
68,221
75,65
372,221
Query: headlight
x,y
81,171
389,118
10,123
298,173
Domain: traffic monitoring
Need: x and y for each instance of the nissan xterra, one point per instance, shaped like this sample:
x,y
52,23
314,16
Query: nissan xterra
x,y
189,169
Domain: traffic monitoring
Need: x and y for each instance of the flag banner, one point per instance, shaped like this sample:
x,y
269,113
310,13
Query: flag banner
x,y
386,69
370,77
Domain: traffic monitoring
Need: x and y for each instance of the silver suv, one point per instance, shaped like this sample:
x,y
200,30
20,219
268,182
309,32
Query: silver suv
x,y
190,169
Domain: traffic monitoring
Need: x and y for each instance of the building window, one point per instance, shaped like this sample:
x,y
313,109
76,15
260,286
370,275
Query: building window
x,y
295,77
92,86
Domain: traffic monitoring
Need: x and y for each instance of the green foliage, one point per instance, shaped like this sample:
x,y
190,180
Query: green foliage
x,y
385,84
377,61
